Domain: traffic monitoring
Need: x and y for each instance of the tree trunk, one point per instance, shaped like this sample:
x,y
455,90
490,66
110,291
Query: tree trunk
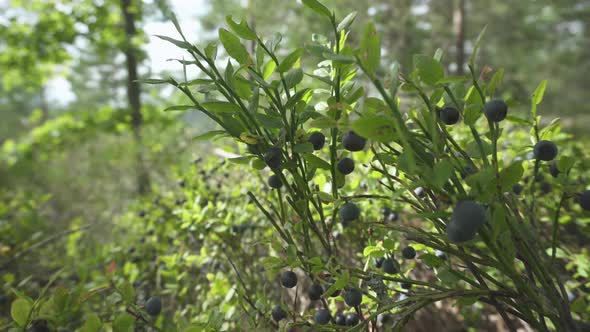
x,y
459,30
134,94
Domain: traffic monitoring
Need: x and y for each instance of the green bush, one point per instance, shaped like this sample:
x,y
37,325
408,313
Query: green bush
x,y
281,237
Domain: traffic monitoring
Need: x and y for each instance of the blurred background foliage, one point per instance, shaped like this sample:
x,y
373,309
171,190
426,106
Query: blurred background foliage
x,y
82,143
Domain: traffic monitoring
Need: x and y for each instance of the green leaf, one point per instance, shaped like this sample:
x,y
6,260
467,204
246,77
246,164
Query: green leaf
x,y
370,50
127,292
293,77
394,84
92,324
220,107
211,51
376,127
496,79
234,48
339,59
20,310
316,162
317,7
179,108
269,121
476,47
565,163
60,299
510,176
472,113
303,148
290,61
346,22
242,29
431,260
268,69
124,323
539,92
179,43
154,81
208,135
302,94
447,277
429,70
441,173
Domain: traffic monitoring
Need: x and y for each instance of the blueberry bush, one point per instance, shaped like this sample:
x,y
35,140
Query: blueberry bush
x,y
354,197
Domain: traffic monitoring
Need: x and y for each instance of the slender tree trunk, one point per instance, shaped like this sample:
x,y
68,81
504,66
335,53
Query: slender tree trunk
x,y
459,30
134,94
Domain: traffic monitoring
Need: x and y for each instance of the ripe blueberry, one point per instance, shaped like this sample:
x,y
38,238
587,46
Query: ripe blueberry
x,y
288,279
352,319
315,292
340,319
553,169
389,215
317,139
254,148
545,150
353,297
546,187
584,200
353,142
278,314
273,157
153,306
409,252
517,188
379,262
390,266
335,293
406,285
449,115
440,254
274,181
496,110
349,212
322,317
467,217
346,166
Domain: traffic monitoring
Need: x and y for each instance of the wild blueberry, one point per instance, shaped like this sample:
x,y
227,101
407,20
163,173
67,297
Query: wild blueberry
x,y
353,297
390,266
449,115
317,139
517,189
274,181
554,170
379,262
315,292
546,187
352,319
467,217
406,285
340,319
322,317
278,314
349,212
288,279
496,110
440,254
545,150
353,142
345,166
153,306
273,157
409,252
584,200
